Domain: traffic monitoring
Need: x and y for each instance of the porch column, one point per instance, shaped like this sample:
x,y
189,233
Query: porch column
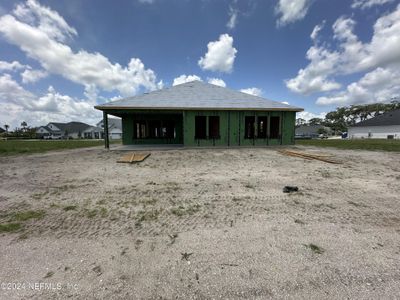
x,y
105,127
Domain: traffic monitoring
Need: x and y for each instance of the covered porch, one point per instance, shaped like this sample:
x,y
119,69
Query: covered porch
x,y
149,127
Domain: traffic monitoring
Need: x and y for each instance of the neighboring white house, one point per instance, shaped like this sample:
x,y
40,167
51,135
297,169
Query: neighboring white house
x,y
93,132
55,130
114,128
311,131
385,126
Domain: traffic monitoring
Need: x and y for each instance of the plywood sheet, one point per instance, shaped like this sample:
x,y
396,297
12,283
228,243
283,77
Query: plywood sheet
x,y
322,157
133,157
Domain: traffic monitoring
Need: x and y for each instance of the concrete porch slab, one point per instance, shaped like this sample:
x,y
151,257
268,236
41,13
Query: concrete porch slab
x,y
145,147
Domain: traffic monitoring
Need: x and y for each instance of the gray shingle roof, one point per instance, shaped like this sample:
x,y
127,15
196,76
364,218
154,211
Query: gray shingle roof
x,y
385,119
197,95
71,127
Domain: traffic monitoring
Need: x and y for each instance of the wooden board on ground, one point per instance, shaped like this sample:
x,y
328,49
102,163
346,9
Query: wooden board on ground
x,y
321,157
133,157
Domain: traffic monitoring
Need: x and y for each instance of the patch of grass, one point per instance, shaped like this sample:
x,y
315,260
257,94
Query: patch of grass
x,y
13,147
103,212
27,215
148,201
364,144
91,213
70,207
146,216
178,211
181,210
38,196
10,227
314,248
325,174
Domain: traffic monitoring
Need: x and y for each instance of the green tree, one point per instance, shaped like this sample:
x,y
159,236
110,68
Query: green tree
x,y
300,122
24,125
315,121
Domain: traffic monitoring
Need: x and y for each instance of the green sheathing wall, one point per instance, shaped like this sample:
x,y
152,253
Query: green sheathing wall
x,y
232,128
189,128
289,128
127,129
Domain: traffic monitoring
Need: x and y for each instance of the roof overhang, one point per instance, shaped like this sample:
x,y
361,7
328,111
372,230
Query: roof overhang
x,y
105,108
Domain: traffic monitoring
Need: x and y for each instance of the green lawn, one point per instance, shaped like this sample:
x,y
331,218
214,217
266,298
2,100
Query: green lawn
x,y
12,147
363,144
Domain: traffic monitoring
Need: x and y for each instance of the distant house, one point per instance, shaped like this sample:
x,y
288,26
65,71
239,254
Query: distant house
x,y
93,132
311,131
114,128
55,130
385,126
2,130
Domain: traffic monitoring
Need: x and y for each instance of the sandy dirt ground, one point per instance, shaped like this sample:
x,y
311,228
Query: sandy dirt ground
x,y
200,224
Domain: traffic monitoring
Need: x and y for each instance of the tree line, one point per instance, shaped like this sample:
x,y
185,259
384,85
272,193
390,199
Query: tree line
x,y
24,131
343,117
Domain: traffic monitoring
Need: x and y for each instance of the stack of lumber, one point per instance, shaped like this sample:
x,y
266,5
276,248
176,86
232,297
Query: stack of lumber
x,y
133,157
322,157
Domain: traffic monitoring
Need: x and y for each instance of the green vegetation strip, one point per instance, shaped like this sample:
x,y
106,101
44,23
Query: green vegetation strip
x,y
9,227
12,147
14,219
27,215
362,144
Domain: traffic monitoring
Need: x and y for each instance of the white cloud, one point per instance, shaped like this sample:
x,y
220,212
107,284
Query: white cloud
x,y
252,91
45,19
306,115
19,104
316,30
379,85
40,32
363,4
285,102
188,78
314,78
115,98
185,78
146,1
350,57
10,66
216,81
220,55
290,11
233,14
30,76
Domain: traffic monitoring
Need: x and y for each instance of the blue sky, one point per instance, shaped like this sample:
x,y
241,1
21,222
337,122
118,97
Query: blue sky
x,y
59,58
